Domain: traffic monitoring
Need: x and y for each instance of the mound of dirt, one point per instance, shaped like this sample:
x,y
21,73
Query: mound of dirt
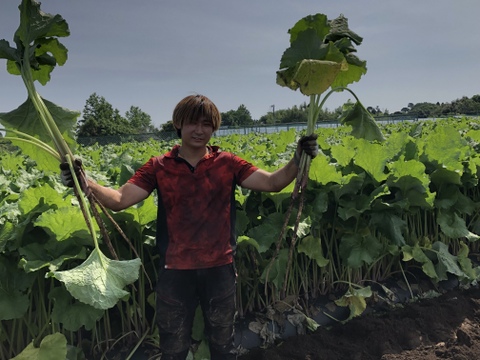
x,y
443,327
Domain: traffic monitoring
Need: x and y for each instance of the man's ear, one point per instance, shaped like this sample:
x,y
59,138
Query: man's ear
x,y
179,132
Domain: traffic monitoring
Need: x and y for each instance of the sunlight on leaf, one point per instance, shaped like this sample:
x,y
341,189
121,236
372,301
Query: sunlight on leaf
x,y
100,281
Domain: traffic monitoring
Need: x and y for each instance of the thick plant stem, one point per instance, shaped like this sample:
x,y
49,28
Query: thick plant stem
x,y
293,243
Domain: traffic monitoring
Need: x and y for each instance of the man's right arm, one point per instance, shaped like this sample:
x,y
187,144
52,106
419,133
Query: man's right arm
x,y
118,199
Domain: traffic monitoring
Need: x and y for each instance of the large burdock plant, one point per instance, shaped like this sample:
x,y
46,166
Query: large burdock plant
x,y
322,56
40,124
320,61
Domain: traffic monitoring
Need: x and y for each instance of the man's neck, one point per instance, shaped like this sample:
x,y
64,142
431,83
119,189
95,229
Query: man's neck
x,y
192,155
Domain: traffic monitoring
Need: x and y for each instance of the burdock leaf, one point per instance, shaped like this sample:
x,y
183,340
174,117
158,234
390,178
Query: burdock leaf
x,y
52,347
316,76
73,315
99,281
454,226
317,22
14,283
64,223
306,46
8,52
362,122
339,30
355,300
312,247
25,119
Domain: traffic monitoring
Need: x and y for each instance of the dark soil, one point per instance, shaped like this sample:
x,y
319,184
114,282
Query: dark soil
x,y
443,327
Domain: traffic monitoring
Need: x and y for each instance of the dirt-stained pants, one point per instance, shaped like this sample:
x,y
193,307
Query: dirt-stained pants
x,y
178,294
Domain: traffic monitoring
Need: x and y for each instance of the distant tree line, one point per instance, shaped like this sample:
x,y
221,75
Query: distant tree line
x,y
462,106
100,118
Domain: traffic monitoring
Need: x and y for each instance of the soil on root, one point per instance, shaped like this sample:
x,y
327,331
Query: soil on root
x,y
444,327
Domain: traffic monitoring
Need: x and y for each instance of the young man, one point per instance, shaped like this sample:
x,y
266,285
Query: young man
x,y
195,185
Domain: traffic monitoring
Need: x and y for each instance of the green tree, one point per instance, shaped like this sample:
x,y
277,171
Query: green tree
x,y
101,119
139,121
425,109
294,114
239,117
466,106
168,127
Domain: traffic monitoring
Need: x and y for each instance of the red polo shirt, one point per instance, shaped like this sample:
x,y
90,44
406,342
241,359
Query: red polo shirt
x,y
196,206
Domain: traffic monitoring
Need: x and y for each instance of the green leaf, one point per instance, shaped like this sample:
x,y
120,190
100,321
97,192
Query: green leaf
x,y
278,198
267,233
314,76
353,74
416,253
318,23
143,213
241,222
362,122
465,263
7,231
64,223
412,181
33,196
8,52
450,197
445,149
454,226
390,225
353,207
446,262
357,249
35,24
323,172
198,325
349,185
99,281
25,119
342,153
339,30
307,45
407,175
52,347
72,314
277,270
244,241
355,300
371,157
36,256
312,247
37,31
14,301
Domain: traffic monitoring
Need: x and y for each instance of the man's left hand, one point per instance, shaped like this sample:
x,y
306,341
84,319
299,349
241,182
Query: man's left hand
x,y
309,145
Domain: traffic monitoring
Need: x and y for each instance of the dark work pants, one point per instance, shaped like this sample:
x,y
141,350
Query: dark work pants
x,y
178,294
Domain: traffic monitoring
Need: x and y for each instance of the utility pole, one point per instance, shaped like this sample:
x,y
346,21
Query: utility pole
x,y
273,113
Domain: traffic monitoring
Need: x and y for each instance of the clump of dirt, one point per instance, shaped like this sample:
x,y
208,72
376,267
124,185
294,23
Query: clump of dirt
x,y
443,327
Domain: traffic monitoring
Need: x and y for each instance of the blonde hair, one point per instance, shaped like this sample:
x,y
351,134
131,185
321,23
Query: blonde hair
x,y
192,108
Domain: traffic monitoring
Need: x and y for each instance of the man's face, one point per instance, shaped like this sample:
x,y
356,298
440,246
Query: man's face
x,y
197,133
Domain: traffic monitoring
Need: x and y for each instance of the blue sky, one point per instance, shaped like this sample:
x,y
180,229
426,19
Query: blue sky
x,y
152,53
